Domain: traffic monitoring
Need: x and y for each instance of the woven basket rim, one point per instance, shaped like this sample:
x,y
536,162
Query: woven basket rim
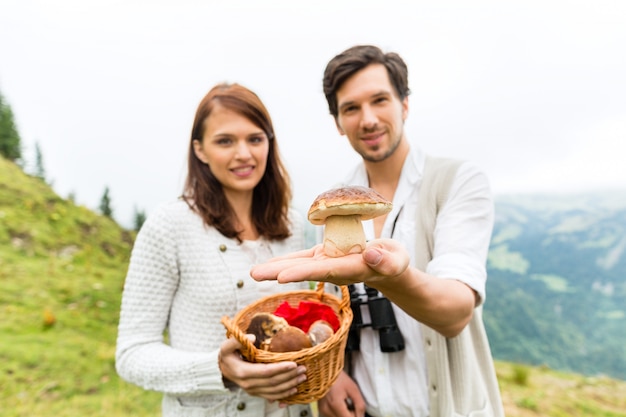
x,y
254,354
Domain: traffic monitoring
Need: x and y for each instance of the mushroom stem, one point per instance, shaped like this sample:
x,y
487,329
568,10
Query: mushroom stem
x,y
343,235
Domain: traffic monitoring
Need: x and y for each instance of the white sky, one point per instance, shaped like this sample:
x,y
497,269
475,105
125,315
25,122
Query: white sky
x,y
532,91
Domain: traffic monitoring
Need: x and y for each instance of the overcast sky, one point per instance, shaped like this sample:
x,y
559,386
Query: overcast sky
x,y
534,92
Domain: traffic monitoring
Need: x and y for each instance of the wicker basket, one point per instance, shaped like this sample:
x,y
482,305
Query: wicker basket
x,y
323,362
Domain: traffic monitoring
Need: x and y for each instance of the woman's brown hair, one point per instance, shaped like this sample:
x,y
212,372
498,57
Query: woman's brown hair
x,y
204,193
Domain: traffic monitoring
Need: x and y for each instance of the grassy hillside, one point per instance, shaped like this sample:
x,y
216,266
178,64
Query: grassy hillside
x,y
62,269
61,273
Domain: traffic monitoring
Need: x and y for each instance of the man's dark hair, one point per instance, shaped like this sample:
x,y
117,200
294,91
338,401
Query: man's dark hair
x,y
354,59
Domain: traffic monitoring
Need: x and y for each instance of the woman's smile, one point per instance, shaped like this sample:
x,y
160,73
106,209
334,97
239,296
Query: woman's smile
x,y
243,171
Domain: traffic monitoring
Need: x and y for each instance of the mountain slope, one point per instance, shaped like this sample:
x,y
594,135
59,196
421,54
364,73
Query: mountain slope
x,y
557,282
61,273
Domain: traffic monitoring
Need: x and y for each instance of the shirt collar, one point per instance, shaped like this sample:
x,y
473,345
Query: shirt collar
x,y
412,171
410,178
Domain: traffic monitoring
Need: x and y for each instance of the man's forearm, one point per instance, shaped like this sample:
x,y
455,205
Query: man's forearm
x,y
446,305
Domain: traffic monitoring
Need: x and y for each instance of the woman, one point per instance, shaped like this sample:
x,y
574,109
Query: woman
x,y
190,266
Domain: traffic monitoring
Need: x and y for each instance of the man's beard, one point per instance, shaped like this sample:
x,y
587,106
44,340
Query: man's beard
x,y
390,151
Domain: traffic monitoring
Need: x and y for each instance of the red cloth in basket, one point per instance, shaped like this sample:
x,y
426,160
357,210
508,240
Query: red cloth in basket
x,y
306,313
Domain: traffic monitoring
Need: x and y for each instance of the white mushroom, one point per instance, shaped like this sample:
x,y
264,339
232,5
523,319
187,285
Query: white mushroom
x,y
319,332
341,210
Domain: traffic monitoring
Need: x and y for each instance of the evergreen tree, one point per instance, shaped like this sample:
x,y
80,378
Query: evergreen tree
x,y
139,218
10,143
105,204
40,171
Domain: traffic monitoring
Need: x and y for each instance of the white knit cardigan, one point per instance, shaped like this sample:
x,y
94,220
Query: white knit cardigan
x,y
182,278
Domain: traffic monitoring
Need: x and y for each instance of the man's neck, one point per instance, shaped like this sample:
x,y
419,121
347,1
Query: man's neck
x,y
384,176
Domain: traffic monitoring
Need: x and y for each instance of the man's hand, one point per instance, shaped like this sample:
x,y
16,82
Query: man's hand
x,y
343,400
446,305
272,381
381,260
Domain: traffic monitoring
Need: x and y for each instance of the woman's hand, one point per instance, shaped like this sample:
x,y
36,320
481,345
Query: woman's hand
x,y
272,381
382,259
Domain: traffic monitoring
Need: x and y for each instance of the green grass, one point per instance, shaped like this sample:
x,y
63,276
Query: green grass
x,y
62,269
540,391
58,330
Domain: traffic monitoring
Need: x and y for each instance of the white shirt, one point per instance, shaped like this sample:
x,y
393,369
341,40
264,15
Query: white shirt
x,y
396,384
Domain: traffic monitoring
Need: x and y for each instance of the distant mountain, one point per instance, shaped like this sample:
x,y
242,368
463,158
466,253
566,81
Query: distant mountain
x,y
556,292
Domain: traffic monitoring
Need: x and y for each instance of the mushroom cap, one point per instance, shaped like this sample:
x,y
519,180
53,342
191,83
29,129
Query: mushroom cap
x,y
265,325
289,339
319,332
348,200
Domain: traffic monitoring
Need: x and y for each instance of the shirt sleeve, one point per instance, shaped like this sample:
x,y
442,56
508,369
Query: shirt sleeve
x,y
142,356
463,230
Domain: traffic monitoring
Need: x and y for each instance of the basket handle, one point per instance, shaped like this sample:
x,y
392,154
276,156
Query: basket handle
x,y
249,350
345,294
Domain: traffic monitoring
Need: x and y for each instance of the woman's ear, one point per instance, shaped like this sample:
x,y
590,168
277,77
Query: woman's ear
x,y
197,149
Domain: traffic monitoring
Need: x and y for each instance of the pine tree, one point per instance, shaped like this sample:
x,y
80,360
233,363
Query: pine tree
x,y
105,204
40,171
10,143
139,218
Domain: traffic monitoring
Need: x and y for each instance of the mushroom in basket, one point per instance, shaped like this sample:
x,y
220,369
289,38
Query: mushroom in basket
x,y
274,334
319,332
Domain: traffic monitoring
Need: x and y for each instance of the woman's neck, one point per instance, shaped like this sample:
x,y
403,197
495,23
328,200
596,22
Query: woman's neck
x,y
242,206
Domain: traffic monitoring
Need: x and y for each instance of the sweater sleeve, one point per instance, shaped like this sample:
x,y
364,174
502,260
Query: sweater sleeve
x,y
142,356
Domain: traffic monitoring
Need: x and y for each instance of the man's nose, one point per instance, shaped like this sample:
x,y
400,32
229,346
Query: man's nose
x,y
368,117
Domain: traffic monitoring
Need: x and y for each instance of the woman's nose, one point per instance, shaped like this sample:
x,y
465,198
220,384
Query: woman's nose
x,y
242,151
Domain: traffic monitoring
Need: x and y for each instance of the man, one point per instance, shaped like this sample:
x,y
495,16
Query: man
x,y
444,366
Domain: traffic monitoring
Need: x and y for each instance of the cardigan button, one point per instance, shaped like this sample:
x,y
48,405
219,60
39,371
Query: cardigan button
x,y
429,342
241,406
304,413
240,284
222,248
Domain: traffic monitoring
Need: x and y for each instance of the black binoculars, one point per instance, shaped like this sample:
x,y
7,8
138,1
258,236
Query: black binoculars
x,y
382,319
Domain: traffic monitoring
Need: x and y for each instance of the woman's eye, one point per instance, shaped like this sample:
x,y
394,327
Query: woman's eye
x,y
223,141
256,139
